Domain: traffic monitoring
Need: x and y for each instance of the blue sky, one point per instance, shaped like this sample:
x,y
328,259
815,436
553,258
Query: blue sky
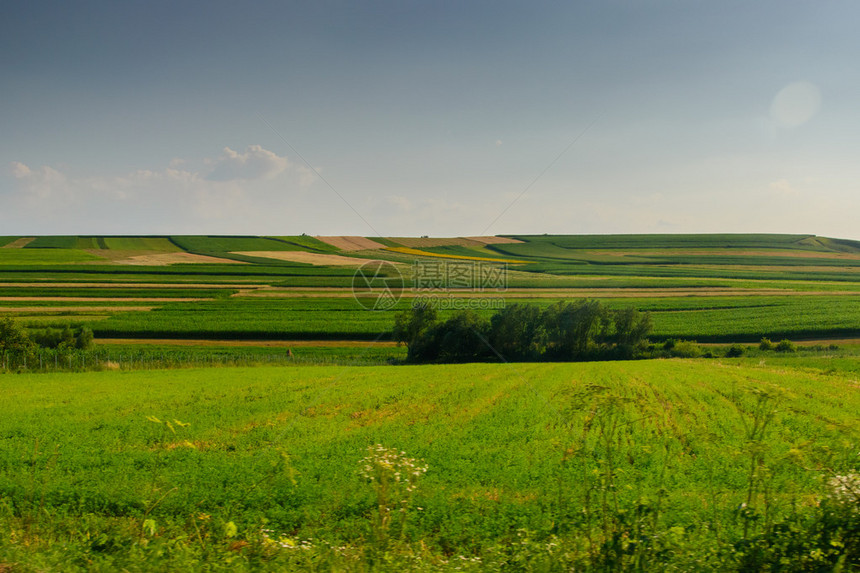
x,y
430,118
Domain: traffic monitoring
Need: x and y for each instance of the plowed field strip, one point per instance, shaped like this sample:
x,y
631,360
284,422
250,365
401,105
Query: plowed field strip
x,y
264,343
74,308
536,293
51,284
95,299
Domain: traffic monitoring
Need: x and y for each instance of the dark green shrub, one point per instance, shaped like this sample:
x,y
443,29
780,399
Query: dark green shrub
x,y
734,351
686,349
84,338
81,338
786,346
13,337
765,344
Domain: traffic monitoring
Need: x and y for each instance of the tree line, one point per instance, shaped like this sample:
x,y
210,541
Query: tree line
x,y
15,339
564,331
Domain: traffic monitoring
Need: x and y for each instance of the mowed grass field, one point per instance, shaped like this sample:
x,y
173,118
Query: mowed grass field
x,y
528,467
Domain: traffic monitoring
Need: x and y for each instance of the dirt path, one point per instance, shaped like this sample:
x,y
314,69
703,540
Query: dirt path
x,y
50,284
255,343
546,293
95,299
73,308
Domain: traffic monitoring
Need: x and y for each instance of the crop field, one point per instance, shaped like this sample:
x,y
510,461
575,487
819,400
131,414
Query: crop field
x,y
707,319
223,416
710,288
534,466
44,256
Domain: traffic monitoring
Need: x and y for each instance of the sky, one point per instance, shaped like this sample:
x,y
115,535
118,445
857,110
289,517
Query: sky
x,y
408,118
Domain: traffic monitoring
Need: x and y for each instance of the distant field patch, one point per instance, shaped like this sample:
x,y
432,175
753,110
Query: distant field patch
x,y
722,252
424,242
318,259
54,242
352,243
19,243
494,240
164,259
27,256
217,244
158,244
307,242
420,253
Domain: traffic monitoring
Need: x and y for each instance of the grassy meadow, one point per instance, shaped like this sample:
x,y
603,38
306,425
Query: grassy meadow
x,y
554,465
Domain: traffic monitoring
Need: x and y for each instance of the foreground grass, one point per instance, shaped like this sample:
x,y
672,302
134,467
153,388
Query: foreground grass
x,y
671,465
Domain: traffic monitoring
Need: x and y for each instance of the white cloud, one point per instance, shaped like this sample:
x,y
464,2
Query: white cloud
x,y
255,163
19,170
783,188
400,202
228,194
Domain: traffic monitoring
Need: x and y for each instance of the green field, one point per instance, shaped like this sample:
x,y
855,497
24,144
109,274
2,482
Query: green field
x,y
541,466
678,278
37,257
230,432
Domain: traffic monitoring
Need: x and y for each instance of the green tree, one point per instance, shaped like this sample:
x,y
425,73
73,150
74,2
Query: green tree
x,y
411,326
517,332
14,339
573,328
461,338
631,331
84,338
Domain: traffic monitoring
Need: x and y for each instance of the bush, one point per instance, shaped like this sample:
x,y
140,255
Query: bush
x,y
82,338
765,344
786,346
734,351
13,337
686,349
